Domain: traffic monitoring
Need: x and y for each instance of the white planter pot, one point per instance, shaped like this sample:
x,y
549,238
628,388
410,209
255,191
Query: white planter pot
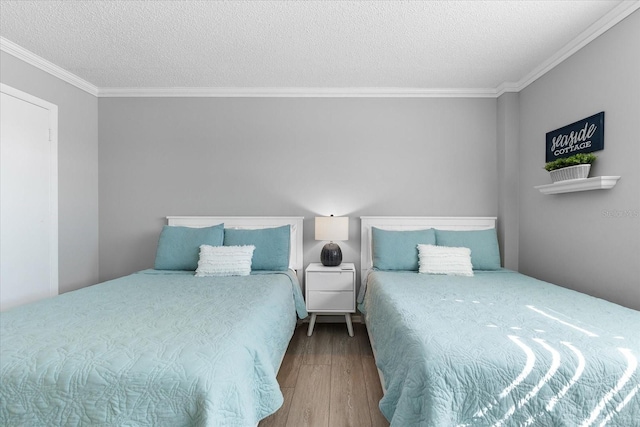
x,y
571,172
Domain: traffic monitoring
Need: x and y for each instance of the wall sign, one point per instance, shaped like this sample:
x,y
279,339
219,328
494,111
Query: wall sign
x,y
583,136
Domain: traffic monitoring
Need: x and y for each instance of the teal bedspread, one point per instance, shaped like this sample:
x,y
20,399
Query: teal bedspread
x,y
156,348
501,349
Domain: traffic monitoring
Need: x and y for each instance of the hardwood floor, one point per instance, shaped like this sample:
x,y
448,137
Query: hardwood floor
x,y
329,380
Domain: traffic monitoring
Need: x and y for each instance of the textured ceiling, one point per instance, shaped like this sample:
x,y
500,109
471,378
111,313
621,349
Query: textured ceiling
x,y
294,44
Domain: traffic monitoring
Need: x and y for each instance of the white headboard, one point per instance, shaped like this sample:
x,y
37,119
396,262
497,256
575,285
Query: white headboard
x,y
413,223
295,255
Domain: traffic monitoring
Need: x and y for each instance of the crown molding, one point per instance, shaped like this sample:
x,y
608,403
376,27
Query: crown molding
x,y
296,92
507,87
598,28
616,15
37,61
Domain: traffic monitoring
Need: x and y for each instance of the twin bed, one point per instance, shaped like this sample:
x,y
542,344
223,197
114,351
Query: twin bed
x,y
495,349
166,347
159,347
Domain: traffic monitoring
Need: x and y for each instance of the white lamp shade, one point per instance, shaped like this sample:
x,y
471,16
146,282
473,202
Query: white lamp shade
x,y
332,228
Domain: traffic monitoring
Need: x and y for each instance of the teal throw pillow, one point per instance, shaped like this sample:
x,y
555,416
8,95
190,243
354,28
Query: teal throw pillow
x,y
398,250
179,247
485,253
272,246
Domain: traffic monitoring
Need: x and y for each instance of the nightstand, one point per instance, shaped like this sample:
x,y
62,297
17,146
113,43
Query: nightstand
x,y
330,290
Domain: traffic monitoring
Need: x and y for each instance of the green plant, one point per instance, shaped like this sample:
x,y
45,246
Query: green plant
x,y
576,159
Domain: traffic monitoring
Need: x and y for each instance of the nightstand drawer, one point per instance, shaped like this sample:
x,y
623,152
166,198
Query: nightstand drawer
x,y
330,301
330,281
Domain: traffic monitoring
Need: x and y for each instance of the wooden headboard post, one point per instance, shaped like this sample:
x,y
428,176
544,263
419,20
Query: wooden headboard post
x,y
296,261
412,223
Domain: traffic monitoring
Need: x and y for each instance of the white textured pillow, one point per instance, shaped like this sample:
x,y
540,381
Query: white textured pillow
x,y
225,260
444,260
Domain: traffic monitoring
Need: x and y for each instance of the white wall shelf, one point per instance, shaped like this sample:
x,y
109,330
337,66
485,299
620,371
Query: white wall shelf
x,y
573,185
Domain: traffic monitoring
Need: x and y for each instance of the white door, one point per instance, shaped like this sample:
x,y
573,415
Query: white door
x,y
28,198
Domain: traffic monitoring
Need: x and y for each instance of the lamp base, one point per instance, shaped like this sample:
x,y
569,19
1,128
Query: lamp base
x,y
331,255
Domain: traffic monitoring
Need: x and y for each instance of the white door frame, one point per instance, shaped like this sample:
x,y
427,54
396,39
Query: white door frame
x,y
53,179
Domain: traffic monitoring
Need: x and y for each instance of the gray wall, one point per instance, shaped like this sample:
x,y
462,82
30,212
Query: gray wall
x,y
317,156
77,165
287,156
589,241
508,133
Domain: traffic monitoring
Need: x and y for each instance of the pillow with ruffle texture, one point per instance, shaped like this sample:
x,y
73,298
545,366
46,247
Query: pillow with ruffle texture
x,y
444,260
225,260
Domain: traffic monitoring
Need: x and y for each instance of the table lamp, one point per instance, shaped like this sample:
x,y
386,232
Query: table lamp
x,y
332,228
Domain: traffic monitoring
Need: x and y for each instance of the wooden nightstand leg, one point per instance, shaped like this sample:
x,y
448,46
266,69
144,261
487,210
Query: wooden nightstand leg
x,y
347,317
312,323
